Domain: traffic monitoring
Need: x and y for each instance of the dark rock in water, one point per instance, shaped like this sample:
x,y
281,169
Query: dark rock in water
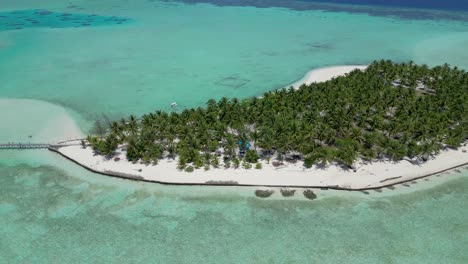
x,y
263,193
378,190
319,45
43,12
391,187
35,18
365,192
309,194
287,192
233,81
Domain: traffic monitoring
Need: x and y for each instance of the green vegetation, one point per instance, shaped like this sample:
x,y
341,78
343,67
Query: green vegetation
x,y
389,112
189,169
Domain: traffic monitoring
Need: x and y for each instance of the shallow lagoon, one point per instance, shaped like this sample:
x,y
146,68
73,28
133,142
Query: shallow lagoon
x,y
53,211
190,53
49,215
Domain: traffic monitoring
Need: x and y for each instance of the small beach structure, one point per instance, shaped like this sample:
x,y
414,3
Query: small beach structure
x,y
243,147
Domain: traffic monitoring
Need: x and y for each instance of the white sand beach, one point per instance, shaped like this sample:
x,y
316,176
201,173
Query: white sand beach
x,y
325,74
370,175
366,176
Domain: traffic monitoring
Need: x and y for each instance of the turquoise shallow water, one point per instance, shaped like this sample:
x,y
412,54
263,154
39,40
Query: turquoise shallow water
x,y
52,216
51,211
190,53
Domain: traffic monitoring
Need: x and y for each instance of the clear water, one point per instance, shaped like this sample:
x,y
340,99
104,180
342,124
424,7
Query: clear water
x,y
190,53
21,19
53,211
48,215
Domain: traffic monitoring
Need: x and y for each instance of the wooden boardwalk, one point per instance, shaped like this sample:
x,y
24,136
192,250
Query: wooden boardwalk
x,y
25,146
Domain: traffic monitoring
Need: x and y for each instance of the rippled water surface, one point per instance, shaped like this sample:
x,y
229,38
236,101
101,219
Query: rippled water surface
x,y
49,215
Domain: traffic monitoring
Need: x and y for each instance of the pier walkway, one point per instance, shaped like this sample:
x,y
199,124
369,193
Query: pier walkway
x,y
25,146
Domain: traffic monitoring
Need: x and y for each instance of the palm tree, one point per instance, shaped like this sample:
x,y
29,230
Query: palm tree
x,y
368,114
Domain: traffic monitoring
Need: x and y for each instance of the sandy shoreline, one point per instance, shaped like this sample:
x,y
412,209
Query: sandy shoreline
x,y
325,74
367,176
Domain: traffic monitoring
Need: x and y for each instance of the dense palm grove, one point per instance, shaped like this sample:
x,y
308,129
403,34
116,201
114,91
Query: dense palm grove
x,y
390,111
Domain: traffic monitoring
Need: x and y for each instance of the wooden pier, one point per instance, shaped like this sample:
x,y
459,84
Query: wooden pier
x,y
26,146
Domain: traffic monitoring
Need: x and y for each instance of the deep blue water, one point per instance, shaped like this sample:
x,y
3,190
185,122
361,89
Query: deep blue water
x,y
403,9
459,5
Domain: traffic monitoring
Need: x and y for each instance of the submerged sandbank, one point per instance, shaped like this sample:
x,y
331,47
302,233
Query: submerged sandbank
x,y
366,176
27,120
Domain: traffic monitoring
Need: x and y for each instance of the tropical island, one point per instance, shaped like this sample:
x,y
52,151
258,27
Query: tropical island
x,y
375,126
